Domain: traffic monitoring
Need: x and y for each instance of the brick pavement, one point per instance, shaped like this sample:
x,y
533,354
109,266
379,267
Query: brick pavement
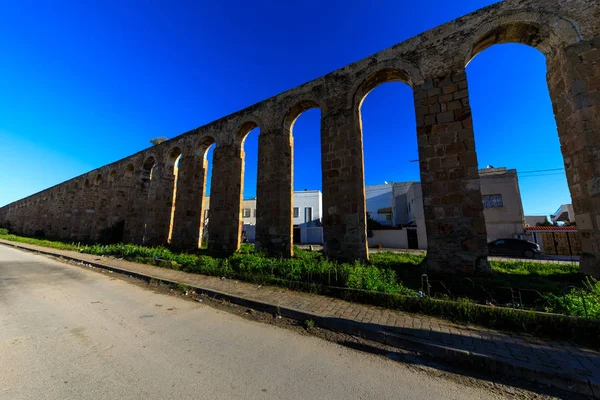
x,y
523,351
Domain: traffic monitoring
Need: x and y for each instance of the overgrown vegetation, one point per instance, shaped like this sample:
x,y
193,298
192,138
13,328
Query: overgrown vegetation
x,y
541,286
578,301
397,281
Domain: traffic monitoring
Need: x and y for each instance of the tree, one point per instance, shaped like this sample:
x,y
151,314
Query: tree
x,y
372,223
158,140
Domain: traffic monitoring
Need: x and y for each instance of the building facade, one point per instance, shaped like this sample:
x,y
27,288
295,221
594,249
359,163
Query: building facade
x,y
502,205
534,220
400,205
564,213
307,216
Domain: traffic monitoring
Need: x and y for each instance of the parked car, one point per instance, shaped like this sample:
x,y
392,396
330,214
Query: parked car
x,y
514,248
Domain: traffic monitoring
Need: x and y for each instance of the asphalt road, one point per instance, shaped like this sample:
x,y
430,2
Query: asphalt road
x,y
71,333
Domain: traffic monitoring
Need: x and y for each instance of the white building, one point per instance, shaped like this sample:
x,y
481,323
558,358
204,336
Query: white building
x,y
307,213
564,213
398,207
533,220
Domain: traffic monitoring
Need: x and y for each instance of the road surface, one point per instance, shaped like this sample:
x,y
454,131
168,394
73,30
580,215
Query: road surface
x,y
71,333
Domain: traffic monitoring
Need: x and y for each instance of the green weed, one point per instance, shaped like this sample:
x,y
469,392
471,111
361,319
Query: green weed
x,y
309,324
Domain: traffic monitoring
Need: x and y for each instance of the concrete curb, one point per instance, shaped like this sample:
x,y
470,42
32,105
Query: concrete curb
x,y
571,382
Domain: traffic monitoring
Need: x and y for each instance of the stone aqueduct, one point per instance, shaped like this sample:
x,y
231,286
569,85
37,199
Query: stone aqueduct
x,y
139,190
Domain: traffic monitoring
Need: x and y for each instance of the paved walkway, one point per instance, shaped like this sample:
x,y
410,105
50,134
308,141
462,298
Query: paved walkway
x,y
522,351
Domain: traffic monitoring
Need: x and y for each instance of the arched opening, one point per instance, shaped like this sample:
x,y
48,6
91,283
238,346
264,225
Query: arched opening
x,y
146,182
98,179
129,169
147,168
112,176
248,138
172,166
303,125
393,195
206,149
521,167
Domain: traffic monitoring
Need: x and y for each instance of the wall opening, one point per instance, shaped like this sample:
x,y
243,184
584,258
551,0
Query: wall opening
x,y
129,170
394,203
146,182
206,149
112,176
304,127
172,165
249,143
515,128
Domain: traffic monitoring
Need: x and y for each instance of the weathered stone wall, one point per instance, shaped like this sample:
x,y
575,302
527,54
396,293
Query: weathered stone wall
x,y
433,64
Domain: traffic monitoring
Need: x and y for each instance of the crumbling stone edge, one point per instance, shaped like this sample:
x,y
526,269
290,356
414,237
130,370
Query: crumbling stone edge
x,y
465,359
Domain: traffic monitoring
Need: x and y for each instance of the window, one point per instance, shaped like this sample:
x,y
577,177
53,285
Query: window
x,y
296,212
246,213
492,201
254,213
307,214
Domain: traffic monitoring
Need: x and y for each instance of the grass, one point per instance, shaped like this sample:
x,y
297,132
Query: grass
x,y
557,288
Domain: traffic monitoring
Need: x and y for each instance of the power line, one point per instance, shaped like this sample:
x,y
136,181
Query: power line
x,y
533,176
541,170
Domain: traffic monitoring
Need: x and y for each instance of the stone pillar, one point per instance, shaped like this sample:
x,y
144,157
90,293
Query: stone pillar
x,y
76,211
225,215
138,198
158,207
101,210
119,188
188,218
88,209
574,83
456,232
274,193
344,218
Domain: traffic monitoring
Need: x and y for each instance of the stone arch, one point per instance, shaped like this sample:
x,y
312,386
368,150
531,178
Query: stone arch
x,y
112,175
379,75
203,144
377,78
557,38
98,179
252,122
383,72
147,167
295,111
187,212
249,165
542,30
172,157
129,170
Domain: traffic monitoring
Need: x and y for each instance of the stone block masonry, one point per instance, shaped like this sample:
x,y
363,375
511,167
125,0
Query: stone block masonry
x,y
133,199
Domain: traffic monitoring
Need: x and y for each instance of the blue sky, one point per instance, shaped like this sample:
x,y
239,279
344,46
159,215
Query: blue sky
x,y
87,83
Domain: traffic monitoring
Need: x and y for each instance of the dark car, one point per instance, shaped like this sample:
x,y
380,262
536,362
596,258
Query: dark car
x,y
514,248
